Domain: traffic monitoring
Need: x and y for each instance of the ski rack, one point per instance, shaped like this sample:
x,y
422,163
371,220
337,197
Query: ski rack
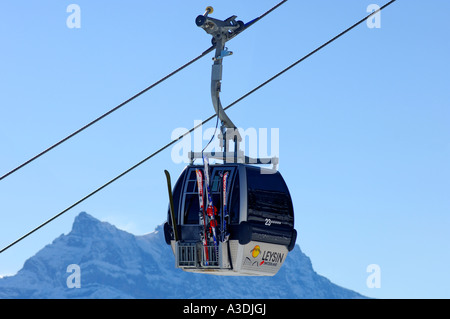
x,y
222,31
192,256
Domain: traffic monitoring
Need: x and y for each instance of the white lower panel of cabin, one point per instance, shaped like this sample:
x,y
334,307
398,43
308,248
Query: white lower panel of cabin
x,y
252,259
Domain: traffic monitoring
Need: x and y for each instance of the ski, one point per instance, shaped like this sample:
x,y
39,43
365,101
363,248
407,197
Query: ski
x,y
211,209
202,217
225,216
171,206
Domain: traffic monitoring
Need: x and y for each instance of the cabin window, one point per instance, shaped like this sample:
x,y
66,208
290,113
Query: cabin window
x,y
176,197
186,190
234,200
268,199
191,207
217,191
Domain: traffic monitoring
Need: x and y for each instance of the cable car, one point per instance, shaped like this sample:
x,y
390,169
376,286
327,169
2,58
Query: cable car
x,y
233,218
260,221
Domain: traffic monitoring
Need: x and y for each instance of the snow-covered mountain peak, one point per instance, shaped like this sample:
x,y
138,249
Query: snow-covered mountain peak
x,y
86,225
115,264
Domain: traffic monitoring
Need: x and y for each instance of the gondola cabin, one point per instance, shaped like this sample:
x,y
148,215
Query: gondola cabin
x,y
231,218
253,223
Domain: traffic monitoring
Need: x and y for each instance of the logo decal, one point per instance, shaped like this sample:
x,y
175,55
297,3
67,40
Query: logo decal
x,y
256,251
264,257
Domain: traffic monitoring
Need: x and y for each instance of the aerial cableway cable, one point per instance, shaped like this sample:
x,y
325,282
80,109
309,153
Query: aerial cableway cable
x,y
107,113
210,49
196,127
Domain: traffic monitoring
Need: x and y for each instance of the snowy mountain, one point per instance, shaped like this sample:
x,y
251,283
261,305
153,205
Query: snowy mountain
x,y
116,264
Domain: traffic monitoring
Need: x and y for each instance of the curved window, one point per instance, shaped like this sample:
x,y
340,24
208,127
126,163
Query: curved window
x,y
191,202
188,192
234,201
269,201
176,193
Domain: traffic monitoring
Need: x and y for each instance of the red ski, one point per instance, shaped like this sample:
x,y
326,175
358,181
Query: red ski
x,y
202,217
211,210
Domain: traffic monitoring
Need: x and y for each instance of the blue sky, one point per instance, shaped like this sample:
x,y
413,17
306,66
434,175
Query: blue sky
x,y
364,124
